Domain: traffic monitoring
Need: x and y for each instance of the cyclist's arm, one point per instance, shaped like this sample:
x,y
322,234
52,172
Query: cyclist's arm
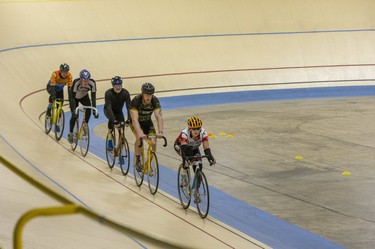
x,y
108,106
53,79
127,103
159,120
93,99
135,122
70,80
72,102
93,93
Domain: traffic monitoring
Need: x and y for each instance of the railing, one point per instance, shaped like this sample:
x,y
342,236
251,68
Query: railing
x,y
71,208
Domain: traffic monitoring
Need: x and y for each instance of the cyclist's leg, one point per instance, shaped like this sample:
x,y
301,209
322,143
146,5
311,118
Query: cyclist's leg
x,y
137,149
149,130
86,102
60,95
51,91
73,103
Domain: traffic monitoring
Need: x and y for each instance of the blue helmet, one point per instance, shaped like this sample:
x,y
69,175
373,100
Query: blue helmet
x,y
116,80
64,67
85,75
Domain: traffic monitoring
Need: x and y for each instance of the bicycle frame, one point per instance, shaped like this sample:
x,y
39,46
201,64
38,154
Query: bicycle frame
x,y
56,109
56,119
80,130
150,150
198,186
150,166
120,150
82,109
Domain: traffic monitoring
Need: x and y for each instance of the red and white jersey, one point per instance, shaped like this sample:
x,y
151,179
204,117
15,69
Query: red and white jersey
x,y
194,143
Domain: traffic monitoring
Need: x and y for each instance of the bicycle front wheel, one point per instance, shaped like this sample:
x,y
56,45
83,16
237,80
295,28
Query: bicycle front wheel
x,y
110,152
124,157
47,123
84,140
59,126
184,187
75,136
138,175
201,194
153,174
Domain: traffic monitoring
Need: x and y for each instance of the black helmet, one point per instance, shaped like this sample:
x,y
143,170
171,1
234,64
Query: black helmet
x,y
64,67
116,80
148,88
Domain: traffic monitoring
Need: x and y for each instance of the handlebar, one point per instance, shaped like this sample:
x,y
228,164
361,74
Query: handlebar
x,y
150,137
82,108
196,157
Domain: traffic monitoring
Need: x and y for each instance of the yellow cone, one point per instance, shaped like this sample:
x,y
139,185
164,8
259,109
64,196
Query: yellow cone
x,y
346,173
298,157
222,133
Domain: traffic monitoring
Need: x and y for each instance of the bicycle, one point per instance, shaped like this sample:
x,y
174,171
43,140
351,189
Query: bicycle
x,y
82,133
150,166
57,119
199,185
120,149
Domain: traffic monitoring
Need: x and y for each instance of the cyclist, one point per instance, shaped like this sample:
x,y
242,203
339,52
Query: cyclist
x,y
187,144
141,109
115,98
78,93
55,86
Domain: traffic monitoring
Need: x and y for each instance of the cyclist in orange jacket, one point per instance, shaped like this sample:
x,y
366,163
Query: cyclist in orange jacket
x,y
55,86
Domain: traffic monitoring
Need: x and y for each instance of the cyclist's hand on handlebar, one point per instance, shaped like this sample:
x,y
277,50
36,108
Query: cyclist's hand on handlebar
x,y
212,162
116,123
185,162
127,123
96,115
53,98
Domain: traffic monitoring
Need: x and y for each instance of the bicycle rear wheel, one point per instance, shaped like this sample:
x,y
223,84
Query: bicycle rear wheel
x,y
110,153
84,141
47,123
153,174
125,155
201,194
75,136
59,126
184,190
138,176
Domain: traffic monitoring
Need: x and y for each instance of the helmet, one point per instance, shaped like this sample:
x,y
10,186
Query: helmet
x,y
64,67
85,75
116,80
194,122
148,88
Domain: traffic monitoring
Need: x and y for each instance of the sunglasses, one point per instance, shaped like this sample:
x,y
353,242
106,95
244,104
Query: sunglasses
x,y
196,129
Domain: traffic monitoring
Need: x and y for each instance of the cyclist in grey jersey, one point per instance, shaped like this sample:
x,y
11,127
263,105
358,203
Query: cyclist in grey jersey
x,y
78,93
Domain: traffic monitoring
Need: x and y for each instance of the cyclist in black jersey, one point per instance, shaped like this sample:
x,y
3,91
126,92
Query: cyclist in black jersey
x,y
78,93
141,109
115,98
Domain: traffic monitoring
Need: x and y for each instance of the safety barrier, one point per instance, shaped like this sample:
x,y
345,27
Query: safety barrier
x,y
71,208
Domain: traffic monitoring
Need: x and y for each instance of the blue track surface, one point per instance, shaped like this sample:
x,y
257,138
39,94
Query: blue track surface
x,y
236,213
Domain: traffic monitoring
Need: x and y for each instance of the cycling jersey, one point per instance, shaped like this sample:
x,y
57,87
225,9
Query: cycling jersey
x,y
192,143
114,103
144,111
58,82
79,90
